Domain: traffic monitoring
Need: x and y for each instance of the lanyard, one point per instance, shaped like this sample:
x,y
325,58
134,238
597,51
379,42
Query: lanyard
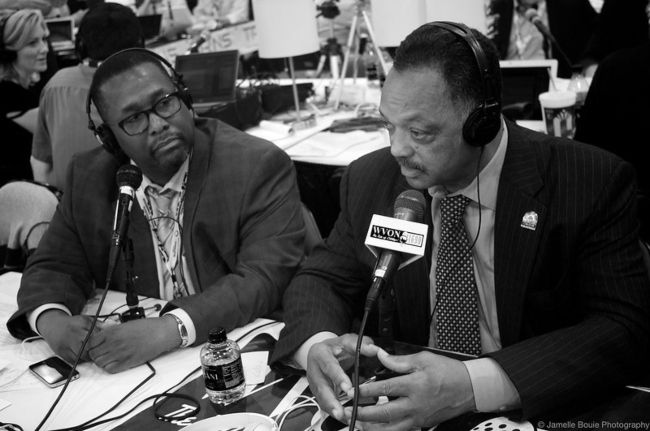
x,y
170,262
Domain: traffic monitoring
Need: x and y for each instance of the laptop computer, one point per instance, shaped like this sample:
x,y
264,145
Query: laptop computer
x,y
150,25
211,77
61,33
523,81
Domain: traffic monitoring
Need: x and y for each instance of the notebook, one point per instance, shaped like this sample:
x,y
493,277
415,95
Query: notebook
x,y
211,77
150,25
523,81
61,33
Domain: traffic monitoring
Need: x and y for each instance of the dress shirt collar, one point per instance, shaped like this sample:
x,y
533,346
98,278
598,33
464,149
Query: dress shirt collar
x,y
174,184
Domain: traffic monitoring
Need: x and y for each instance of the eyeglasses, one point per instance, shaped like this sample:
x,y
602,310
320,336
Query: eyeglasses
x,y
137,123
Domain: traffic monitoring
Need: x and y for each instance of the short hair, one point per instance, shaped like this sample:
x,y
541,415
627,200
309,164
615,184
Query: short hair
x,y
116,20
119,63
437,48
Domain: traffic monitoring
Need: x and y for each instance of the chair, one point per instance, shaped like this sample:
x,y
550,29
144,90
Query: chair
x,y
25,212
312,234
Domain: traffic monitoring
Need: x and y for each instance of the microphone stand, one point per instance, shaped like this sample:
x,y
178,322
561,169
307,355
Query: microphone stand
x,y
134,312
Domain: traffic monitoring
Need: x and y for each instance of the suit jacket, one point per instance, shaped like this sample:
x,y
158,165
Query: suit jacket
x,y
242,232
572,295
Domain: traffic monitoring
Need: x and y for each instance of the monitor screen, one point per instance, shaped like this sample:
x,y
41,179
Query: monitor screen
x,y
210,77
522,83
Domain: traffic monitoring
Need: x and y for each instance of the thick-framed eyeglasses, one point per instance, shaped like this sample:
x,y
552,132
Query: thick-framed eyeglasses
x,y
137,123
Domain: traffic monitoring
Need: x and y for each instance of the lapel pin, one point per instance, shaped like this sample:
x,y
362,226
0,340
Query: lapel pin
x,y
529,220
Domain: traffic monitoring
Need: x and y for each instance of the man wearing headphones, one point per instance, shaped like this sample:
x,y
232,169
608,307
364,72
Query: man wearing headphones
x,y
62,129
540,276
216,225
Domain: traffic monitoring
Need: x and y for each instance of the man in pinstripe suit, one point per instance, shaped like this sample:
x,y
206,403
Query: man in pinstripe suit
x,y
564,299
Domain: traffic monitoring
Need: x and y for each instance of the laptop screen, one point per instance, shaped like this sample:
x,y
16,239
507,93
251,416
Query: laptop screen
x,y
211,77
523,81
61,32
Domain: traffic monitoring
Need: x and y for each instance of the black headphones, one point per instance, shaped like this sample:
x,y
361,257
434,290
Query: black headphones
x,y
6,55
484,122
103,133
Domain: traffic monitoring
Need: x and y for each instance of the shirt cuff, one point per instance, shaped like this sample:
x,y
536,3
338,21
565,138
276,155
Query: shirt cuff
x,y
493,389
187,321
300,357
32,318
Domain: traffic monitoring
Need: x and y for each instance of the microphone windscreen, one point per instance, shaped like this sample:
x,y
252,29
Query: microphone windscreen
x,y
129,175
411,201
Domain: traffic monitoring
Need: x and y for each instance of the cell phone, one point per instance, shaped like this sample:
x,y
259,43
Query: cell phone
x,y
53,371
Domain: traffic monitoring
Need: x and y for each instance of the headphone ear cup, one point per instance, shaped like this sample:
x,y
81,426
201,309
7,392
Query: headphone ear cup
x,y
107,139
185,96
481,126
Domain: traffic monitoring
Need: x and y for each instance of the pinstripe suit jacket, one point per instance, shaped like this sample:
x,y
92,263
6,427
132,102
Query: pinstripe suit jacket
x,y
573,297
242,232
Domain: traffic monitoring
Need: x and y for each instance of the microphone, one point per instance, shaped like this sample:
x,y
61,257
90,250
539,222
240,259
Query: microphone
x,y
196,43
409,206
129,178
533,16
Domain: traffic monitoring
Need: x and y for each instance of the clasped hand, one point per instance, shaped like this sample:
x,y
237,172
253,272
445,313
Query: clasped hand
x,y
114,348
430,388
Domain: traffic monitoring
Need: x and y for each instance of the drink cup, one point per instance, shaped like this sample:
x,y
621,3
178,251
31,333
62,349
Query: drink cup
x,y
558,111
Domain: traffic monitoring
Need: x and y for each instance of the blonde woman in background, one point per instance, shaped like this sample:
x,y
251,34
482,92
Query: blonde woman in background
x,y
23,57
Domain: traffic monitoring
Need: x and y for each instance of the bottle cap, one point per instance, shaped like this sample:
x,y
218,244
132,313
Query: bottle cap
x,y
217,335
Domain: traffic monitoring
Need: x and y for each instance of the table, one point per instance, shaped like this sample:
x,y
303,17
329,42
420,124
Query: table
x,y
96,390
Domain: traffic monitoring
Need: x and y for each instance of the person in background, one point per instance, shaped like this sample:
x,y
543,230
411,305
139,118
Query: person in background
x,y
616,113
215,14
620,24
216,226
532,262
45,6
23,57
570,21
62,127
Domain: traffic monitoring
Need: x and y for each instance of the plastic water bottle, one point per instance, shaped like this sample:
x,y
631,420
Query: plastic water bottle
x,y
222,368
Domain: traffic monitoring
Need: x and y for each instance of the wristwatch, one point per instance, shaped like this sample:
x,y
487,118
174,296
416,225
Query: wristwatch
x,y
182,330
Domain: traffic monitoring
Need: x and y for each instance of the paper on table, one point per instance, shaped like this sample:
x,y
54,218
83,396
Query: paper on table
x,y
328,144
255,366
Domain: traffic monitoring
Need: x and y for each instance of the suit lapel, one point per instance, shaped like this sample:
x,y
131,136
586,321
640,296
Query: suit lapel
x,y
520,218
198,172
147,283
411,284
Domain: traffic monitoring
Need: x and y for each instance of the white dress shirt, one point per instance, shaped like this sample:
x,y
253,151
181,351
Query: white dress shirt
x,y
166,290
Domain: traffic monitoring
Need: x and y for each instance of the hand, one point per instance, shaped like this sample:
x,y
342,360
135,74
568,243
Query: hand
x,y
64,333
326,363
120,347
432,389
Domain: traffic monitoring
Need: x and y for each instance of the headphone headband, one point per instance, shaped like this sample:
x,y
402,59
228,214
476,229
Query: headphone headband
x,y
484,122
464,32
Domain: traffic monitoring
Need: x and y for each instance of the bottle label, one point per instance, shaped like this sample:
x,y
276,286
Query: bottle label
x,y
222,377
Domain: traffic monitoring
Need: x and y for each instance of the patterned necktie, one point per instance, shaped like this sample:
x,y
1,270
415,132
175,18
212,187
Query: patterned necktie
x,y
168,235
456,292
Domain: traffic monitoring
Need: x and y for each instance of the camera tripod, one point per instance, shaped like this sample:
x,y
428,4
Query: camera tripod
x,y
354,40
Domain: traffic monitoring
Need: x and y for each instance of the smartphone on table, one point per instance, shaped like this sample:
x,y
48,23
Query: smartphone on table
x,y
53,371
